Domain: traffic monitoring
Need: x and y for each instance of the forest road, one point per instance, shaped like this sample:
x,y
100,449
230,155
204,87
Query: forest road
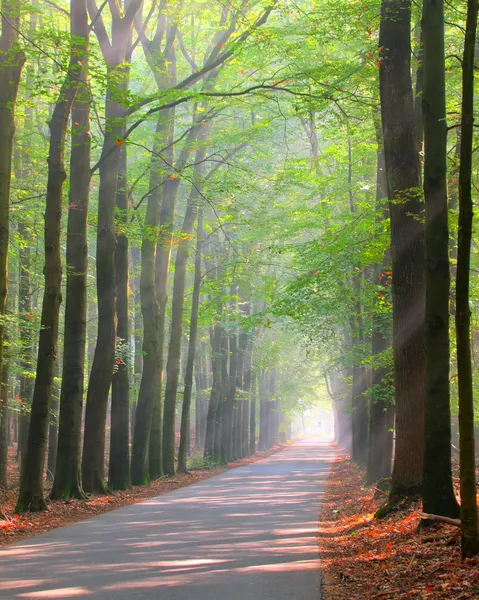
x,y
247,534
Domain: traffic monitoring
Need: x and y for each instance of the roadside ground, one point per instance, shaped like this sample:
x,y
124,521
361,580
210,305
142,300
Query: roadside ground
x,y
364,558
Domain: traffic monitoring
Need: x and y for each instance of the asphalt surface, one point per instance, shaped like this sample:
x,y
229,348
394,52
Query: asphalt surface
x,y
247,534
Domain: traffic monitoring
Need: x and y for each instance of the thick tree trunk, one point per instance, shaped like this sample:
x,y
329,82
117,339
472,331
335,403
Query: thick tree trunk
x,y
67,481
119,466
407,244
469,516
115,54
31,481
93,459
11,64
185,412
150,311
437,490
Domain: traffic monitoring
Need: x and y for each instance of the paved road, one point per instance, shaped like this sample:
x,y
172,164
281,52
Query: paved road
x,y
248,534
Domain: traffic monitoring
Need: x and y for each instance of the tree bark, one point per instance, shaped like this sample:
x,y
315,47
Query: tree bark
x,y
119,466
93,460
185,412
437,490
252,415
150,311
12,59
178,297
381,414
4,427
469,516
53,425
31,481
211,444
67,481
407,244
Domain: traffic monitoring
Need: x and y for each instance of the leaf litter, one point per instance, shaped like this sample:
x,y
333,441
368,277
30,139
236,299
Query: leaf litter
x,y
364,558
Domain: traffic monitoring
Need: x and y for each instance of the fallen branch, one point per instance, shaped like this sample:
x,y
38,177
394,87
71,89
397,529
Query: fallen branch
x,y
453,539
437,538
441,519
381,492
410,564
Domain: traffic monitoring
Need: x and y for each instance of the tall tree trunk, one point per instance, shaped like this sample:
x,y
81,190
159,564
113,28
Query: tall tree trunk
x,y
214,403
93,459
437,490
469,517
185,412
4,427
252,415
12,59
381,414
31,481
174,349
26,338
146,459
230,349
67,481
53,425
407,244
103,360
263,411
150,310
119,466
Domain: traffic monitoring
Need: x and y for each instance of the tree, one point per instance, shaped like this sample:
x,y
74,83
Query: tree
x,y
437,490
185,411
469,516
31,483
407,243
12,59
67,480
114,52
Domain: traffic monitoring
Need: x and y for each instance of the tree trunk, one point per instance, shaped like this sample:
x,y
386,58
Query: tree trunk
x,y
185,413
150,310
437,490
93,458
381,414
119,466
214,403
4,427
407,244
469,516
31,481
115,54
11,64
263,410
252,415
67,481
246,387
174,349
53,426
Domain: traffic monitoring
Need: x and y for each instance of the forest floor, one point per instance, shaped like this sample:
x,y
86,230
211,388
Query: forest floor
x,y
14,528
364,558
